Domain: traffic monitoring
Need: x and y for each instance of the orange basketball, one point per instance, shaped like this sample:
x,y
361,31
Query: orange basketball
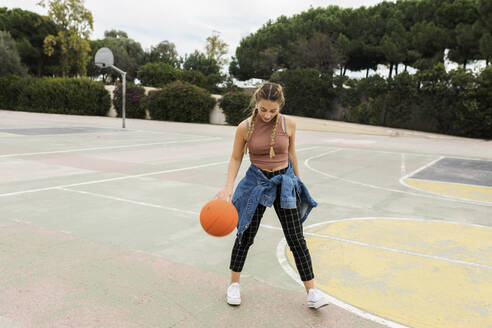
x,y
218,217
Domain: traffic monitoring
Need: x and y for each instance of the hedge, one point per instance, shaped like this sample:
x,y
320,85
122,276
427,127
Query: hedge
x,y
76,96
456,102
235,105
180,101
133,107
10,88
159,74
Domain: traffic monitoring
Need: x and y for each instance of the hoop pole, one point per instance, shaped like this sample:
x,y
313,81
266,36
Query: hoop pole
x,y
124,98
123,93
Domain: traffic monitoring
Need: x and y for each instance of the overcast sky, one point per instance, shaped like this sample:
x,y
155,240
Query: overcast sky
x,y
188,23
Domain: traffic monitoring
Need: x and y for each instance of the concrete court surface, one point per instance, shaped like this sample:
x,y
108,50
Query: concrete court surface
x,y
99,227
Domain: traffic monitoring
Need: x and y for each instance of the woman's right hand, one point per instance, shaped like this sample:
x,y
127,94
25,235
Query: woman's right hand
x,y
225,193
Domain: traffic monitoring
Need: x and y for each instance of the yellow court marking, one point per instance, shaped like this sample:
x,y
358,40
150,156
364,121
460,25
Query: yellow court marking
x,y
473,192
415,273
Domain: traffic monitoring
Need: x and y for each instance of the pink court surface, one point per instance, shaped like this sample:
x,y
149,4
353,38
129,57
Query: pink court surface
x,y
99,227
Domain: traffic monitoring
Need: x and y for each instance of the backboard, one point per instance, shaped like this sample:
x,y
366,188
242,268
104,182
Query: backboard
x,y
104,58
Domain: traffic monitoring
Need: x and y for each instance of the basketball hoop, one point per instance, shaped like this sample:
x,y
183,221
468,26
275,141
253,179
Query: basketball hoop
x,y
104,59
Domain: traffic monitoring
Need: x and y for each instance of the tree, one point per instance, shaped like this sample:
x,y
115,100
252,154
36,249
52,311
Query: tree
x,y
390,50
467,44
128,56
342,44
164,52
309,92
247,62
449,14
157,74
270,58
316,52
117,34
485,14
198,61
429,41
394,43
216,49
486,47
75,23
485,20
29,30
413,32
9,58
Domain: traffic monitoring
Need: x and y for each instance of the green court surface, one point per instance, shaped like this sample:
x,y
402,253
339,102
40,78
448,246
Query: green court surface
x,y
100,228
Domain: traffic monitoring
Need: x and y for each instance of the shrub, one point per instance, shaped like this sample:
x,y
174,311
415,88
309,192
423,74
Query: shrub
x,y
207,82
180,101
157,74
346,91
194,77
212,81
484,97
61,95
361,114
398,102
9,91
472,109
133,106
433,100
235,106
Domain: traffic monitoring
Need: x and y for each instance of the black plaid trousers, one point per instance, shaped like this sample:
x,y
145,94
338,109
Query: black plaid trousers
x,y
290,220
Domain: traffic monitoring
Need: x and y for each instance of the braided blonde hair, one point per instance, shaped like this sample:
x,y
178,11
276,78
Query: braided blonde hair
x,y
267,91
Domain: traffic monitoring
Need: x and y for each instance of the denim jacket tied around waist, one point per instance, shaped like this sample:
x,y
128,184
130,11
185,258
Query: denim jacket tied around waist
x,y
255,188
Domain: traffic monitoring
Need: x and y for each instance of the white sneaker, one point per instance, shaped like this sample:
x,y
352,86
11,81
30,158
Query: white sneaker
x,y
316,299
234,294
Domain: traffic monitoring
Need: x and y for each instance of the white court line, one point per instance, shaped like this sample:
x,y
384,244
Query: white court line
x,y
423,167
174,209
372,218
271,227
401,251
170,132
108,147
441,197
111,179
21,221
369,150
411,154
131,201
403,166
126,177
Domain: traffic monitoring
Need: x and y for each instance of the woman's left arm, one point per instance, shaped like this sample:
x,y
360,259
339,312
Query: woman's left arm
x,y
291,132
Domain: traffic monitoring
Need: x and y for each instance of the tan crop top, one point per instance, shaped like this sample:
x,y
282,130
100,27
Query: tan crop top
x,y
259,144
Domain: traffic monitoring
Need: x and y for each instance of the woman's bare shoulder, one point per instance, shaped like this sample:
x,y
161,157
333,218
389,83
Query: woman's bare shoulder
x,y
244,124
242,127
291,123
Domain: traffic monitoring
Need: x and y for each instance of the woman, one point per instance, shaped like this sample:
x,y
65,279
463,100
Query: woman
x,y
272,179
